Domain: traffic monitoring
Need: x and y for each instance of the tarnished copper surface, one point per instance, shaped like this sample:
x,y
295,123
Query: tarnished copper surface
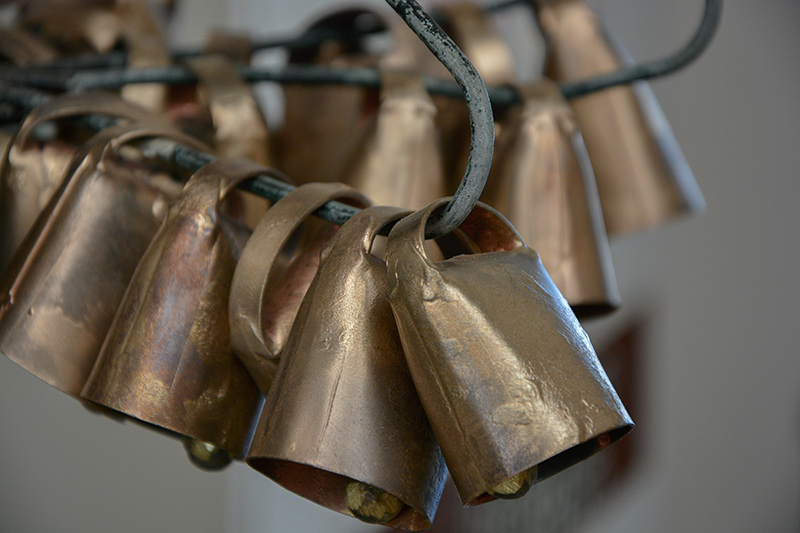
x,y
167,358
240,129
471,28
30,173
642,175
146,47
400,161
542,181
508,378
343,408
325,125
274,272
60,292
24,48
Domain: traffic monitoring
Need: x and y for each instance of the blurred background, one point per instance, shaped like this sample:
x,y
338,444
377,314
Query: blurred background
x,y
712,301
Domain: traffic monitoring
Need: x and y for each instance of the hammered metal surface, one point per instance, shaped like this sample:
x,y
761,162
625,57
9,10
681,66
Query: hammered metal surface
x,y
343,406
508,378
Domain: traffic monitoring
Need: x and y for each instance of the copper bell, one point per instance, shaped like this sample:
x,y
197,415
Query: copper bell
x,y
642,175
61,291
167,358
274,272
508,378
30,173
543,182
342,424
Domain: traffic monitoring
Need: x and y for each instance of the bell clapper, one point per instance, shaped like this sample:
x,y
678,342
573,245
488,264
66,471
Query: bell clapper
x,y
371,504
516,486
205,455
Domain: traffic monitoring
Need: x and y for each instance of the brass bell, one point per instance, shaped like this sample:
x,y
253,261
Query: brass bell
x,y
342,424
167,359
60,293
509,380
274,272
642,176
542,181
30,173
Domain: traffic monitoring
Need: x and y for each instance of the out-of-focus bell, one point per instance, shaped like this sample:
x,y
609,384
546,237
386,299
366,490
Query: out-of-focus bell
x,y
642,175
31,172
61,290
273,274
342,425
542,181
23,47
508,378
167,358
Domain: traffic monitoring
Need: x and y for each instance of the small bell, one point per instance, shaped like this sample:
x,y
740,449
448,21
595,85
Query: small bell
x,y
167,359
508,378
60,293
542,181
642,176
342,425
274,272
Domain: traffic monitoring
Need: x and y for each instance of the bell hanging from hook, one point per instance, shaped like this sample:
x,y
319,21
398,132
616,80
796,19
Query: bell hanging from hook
x,y
642,176
274,272
542,181
60,293
167,359
342,424
508,378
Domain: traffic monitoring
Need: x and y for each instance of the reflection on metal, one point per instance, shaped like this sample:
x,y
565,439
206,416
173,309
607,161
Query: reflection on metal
x,y
59,295
274,272
543,182
520,386
343,407
167,358
642,175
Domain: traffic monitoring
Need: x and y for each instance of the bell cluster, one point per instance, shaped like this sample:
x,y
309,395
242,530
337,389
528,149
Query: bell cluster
x,y
353,369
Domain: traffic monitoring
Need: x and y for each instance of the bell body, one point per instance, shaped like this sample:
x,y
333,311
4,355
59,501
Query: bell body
x,y
274,272
343,408
642,176
167,358
543,182
508,378
72,269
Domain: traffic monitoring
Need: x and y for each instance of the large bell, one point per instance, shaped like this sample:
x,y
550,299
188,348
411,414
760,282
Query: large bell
x,y
167,358
642,176
59,295
274,271
342,425
543,182
508,378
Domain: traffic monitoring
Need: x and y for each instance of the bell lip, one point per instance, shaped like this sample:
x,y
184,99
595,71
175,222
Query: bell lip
x,y
597,309
563,460
303,475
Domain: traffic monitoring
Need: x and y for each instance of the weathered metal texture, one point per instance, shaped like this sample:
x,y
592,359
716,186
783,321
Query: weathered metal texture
x,y
325,125
642,176
274,272
508,378
343,408
167,358
400,162
30,173
542,181
59,295
240,129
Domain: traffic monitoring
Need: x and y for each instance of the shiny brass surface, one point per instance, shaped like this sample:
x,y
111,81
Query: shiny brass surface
x,y
167,358
400,162
642,176
343,408
61,290
30,172
542,181
274,272
508,378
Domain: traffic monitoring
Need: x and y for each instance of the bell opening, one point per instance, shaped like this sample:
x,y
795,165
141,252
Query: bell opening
x,y
330,490
581,452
